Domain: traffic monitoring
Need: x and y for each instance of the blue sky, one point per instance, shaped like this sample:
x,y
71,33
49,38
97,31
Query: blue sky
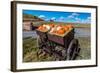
x,y
73,17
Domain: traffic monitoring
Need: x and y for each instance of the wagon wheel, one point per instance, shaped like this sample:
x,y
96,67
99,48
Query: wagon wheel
x,y
39,42
73,49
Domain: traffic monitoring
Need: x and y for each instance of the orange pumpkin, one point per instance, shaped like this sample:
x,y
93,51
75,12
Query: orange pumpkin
x,y
54,31
41,28
62,28
61,31
70,26
59,25
51,25
66,28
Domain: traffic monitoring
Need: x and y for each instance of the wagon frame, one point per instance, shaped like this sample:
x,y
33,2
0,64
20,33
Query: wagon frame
x,y
49,42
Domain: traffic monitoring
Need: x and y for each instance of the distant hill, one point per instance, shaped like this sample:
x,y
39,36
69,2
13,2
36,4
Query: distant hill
x,y
29,17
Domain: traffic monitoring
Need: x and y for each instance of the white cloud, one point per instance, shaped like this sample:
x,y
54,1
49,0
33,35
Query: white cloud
x,y
61,18
87,20
42,16
79,20
53,18
83,21
47,19
75,14
70,16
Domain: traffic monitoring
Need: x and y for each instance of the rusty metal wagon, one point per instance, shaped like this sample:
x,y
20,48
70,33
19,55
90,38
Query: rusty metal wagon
x,y
64,47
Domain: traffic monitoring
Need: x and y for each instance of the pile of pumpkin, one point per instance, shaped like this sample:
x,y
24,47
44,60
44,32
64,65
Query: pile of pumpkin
x,y
56,29
45,27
